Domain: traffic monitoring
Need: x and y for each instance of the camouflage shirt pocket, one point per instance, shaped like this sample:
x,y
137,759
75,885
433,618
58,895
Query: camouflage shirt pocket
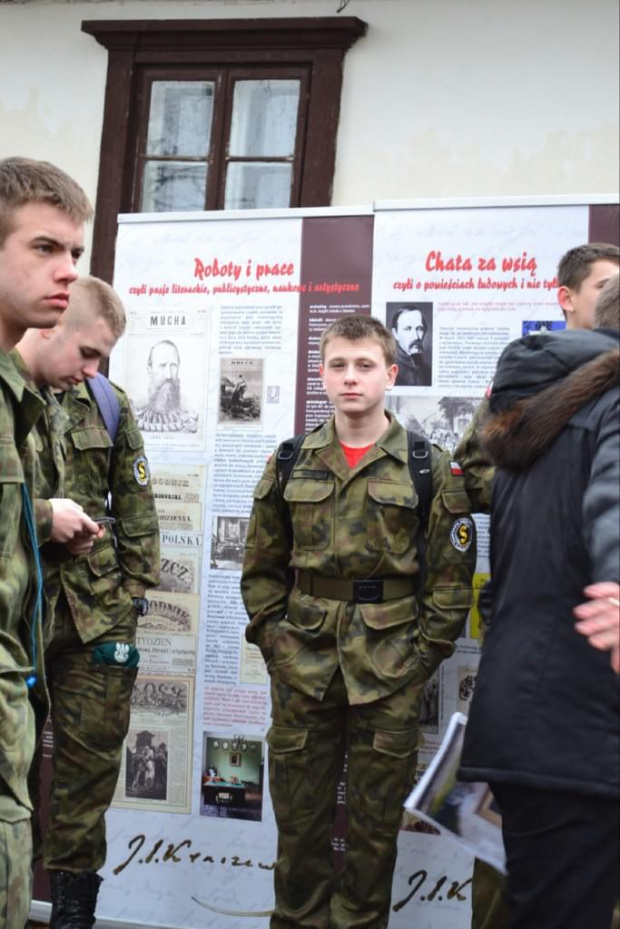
x,y
392,516
11,480
301,629
391,635
289,768
134,439
446,600
311,506
138,527
259,531
400,744
104,566
88,457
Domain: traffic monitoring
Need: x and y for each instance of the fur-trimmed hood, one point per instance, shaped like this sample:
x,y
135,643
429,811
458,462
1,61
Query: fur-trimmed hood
x,y
542,381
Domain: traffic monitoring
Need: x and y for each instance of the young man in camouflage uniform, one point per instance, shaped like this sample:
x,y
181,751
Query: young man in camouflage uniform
x,y
91,657
42,214
349,645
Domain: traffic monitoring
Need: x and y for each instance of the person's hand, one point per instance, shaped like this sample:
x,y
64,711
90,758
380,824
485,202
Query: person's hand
x,y
69,521
599,619
82,544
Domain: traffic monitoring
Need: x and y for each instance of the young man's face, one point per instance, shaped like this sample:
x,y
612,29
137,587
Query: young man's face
x,y
355,375
37,268
579,304
67,356
410,331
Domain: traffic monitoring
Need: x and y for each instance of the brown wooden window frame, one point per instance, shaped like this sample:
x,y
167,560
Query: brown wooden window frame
x,y
312,48
218,159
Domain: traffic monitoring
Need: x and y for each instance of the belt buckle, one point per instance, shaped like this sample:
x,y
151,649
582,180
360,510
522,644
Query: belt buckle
x,y
368,591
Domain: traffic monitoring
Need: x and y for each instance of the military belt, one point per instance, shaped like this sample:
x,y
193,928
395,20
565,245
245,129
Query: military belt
x,y
367,590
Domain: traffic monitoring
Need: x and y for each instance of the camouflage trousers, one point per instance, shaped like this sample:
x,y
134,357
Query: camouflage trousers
x,y
307,744
489,909
90,707
15,861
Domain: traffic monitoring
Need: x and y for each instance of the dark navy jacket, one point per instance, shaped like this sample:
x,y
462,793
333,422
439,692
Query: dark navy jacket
x,y
546,710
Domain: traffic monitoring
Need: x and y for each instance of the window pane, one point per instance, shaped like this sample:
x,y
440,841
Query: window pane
x,y
264,119
254,186
173,186
180,118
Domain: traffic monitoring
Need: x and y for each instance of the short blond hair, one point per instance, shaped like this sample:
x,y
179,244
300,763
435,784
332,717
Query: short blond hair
x,y
91,298
607,309
354,328
24,181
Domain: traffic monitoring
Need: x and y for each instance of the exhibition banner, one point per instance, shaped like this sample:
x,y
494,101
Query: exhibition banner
x,y
220,360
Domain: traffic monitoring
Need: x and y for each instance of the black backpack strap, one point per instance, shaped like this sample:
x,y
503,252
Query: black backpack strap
x,y
286,456
419,456
421,468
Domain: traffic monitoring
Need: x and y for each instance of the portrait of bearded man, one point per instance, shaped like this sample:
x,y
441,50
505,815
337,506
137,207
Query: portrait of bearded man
x,y
164,410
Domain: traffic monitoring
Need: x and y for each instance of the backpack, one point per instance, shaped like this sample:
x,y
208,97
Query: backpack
x,y
105,397
109,408
419,460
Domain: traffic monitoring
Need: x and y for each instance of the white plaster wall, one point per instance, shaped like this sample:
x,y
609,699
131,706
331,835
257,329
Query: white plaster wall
x,y
442,98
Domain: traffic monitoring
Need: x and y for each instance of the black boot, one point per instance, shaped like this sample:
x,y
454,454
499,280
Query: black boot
x,y
74,898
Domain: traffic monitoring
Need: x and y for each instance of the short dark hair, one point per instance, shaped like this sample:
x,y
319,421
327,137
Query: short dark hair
x,y
607,310
407,308
24,181
574,266
354,328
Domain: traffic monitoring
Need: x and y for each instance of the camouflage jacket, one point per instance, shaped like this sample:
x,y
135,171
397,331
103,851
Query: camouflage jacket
x,y
48,465
353,524
125,561
21,647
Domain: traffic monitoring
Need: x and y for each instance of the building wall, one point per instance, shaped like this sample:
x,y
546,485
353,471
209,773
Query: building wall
x,y
451,98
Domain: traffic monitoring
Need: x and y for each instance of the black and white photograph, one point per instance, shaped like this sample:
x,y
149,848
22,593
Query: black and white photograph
x,y
179,570
411,325
241,390
160,694
232,776
228,542
442,420
466,681
173,613
163,405
146,764
156,768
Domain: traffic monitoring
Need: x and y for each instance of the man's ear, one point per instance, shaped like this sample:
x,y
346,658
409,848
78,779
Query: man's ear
x,y
565,299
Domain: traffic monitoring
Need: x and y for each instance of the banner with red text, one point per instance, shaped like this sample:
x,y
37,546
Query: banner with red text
x,y
220,360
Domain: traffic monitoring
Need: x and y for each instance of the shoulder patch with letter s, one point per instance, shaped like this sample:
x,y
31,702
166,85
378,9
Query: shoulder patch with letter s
x,y
461,534
141,471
